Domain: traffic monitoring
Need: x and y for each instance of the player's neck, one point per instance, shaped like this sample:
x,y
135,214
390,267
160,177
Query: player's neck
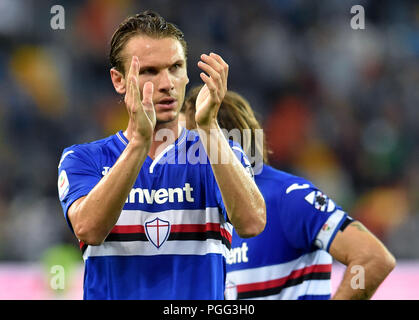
x,y
164,135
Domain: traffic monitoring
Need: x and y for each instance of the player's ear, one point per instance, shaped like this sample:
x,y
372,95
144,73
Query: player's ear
x,y
118,81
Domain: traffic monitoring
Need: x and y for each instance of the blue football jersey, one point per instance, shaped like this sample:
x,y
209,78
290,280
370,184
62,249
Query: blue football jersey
x,y
173,234
289,259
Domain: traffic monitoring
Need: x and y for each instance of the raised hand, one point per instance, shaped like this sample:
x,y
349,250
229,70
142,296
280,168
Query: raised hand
x,y
212,93
142,116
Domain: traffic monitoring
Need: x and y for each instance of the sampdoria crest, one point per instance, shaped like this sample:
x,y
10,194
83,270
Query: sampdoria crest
x,y
157,231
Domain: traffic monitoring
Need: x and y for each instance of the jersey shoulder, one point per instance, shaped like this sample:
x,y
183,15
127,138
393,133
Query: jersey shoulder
x,y
293,192
300,209
88,154
89,148
282,182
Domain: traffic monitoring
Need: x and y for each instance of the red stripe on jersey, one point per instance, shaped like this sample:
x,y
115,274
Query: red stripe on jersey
x,y
281,281
225,234
194,227
128,229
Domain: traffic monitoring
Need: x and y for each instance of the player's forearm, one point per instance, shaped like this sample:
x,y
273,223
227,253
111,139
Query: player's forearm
x,y
242,199
95,216
363,277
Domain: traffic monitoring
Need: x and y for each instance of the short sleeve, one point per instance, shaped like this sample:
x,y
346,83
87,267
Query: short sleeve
x,y
310,218
77,175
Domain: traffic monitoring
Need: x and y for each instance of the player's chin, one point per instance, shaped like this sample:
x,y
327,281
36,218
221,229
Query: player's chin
x,y
165,116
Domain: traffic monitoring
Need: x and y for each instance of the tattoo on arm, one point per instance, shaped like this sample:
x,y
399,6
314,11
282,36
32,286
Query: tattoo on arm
x,y
359,226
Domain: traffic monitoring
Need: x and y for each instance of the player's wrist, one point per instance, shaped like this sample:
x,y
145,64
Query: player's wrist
x,y
208,125
139,142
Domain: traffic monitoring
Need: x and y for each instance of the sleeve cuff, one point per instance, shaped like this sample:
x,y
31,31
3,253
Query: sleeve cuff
x,y
329,229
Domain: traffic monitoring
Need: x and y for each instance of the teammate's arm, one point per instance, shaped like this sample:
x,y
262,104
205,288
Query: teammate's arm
x,y
93,216
243,201
358,248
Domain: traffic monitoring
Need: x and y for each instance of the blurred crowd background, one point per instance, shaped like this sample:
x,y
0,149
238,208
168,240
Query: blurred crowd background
x,y
340,106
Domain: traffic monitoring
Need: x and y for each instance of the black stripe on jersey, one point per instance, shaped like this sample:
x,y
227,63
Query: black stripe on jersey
x,y
83,248
199,236
126,237
289,283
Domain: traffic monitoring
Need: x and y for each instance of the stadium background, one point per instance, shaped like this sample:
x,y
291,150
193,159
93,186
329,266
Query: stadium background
x,y
340,107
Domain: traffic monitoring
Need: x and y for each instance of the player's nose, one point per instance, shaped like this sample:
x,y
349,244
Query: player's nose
x,y
165,81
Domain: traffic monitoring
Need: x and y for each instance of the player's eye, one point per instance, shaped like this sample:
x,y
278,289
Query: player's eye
x,y
151,71
176,66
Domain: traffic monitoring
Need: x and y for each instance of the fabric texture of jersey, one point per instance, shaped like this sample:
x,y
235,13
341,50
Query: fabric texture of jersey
x,y
289,259
173,234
